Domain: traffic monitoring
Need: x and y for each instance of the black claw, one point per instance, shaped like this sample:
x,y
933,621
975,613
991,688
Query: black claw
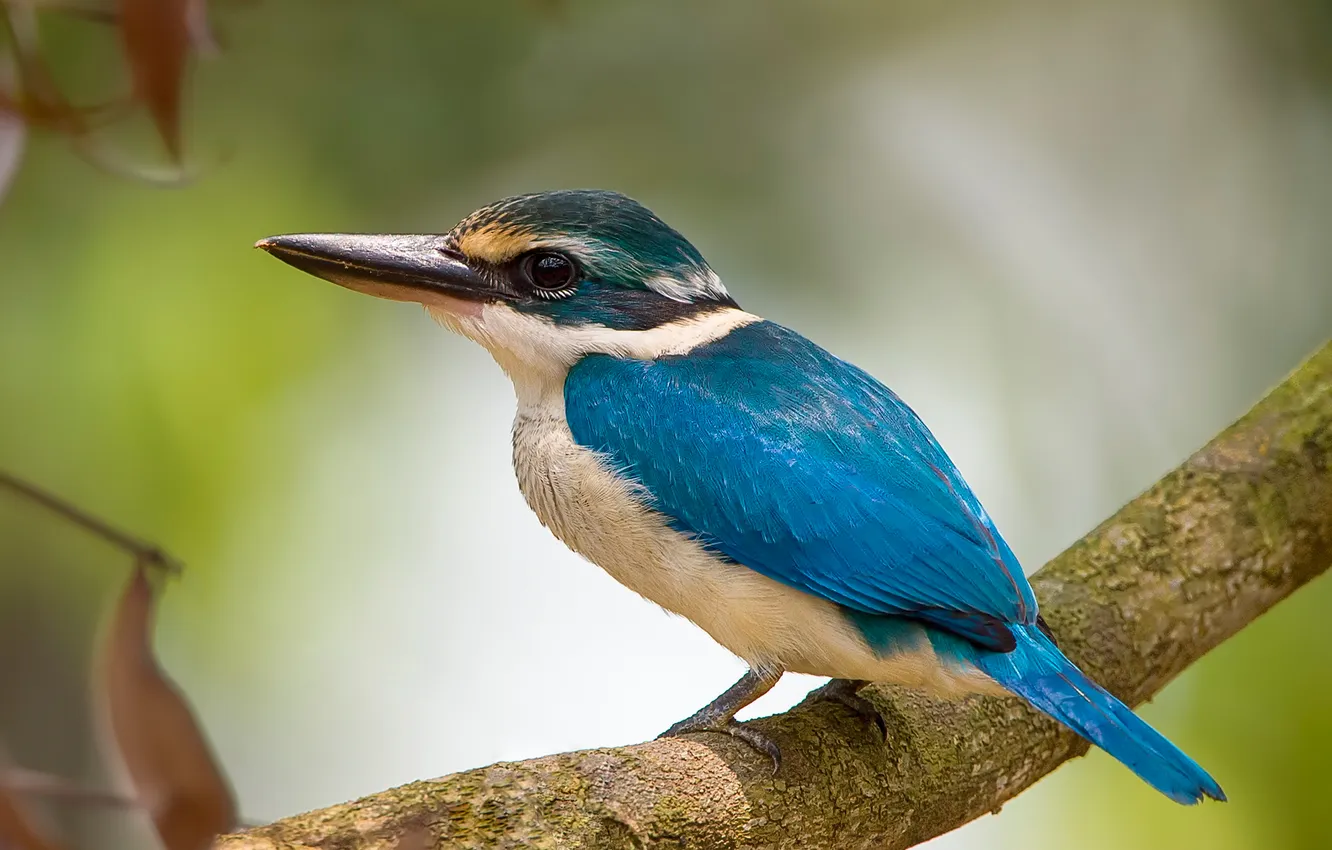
x,y
883,727
843,692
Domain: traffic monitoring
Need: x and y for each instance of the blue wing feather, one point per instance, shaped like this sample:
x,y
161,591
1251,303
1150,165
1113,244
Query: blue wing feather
x,y
802,467
798,465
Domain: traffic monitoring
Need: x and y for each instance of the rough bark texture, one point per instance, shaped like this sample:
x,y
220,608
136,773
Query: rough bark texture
x,y
1236,528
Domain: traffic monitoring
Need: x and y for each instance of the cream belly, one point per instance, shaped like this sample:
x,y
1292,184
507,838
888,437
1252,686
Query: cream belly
x,y
606,519
603,517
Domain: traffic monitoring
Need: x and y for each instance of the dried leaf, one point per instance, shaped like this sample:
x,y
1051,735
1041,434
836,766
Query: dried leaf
x,y
17,830
157,36
37,98
163,749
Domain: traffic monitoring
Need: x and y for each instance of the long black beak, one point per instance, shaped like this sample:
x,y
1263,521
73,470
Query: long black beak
x,y
400,268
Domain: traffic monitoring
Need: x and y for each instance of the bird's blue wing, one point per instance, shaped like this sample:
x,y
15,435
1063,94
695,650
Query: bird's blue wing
x,y
783,458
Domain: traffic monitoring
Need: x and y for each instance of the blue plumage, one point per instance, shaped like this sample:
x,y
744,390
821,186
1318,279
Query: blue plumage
x,y
837,536
1037,671
829,483
787,460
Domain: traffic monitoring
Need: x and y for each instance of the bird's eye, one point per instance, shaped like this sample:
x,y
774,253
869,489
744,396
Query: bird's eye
x,y
549,271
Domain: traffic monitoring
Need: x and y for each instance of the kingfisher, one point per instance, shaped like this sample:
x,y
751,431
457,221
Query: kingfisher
x,y
733,472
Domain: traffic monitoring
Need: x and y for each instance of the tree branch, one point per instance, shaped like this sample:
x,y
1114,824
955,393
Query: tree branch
x,y
1235,529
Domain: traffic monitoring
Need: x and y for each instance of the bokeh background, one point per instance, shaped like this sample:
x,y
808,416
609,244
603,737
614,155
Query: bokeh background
x,y
1079,237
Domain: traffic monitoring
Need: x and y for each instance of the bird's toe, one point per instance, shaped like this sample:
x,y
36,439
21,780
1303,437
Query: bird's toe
x,y
844,692
758,741
749,735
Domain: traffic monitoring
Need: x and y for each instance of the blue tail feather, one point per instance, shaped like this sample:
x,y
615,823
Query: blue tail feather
x,y
1037,671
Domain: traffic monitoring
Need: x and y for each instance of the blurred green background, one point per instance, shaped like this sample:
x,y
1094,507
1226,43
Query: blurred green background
x,y
1080,237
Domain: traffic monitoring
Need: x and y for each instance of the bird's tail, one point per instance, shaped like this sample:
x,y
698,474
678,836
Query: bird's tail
x,y
1037,671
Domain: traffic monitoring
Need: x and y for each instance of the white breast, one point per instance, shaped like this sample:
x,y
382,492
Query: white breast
x,y
608,520
603,517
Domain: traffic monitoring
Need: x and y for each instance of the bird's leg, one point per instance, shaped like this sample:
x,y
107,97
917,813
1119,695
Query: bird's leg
x,y
845,692
719,715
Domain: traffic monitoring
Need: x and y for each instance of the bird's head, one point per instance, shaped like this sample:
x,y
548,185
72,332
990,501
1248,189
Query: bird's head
x,y
540,280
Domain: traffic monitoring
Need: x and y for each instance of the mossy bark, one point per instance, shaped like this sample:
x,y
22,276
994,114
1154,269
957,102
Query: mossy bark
x,y
1235,529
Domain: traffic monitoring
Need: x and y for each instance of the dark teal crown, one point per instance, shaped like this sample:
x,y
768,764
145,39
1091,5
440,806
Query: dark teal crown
x,y
615,240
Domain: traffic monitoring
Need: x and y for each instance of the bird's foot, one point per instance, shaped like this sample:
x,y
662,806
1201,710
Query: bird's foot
x,y
845,692
719,715
729,726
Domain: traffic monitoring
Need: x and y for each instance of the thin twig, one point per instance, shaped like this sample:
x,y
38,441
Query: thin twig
x,y
148,554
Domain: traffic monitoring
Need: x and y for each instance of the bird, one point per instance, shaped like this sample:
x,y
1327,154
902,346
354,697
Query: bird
x,y
734,472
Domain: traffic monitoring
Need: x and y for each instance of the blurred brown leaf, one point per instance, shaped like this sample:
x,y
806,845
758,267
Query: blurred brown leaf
x,y
157,37
30,91
17,831
164,751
